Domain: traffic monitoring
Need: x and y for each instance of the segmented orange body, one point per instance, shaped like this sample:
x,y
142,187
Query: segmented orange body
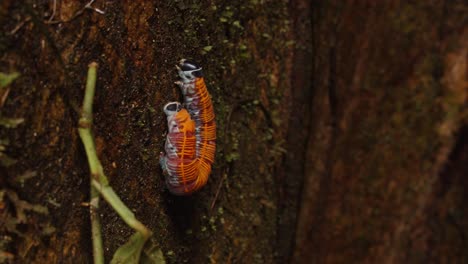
x,y
197,100
190,144
180,164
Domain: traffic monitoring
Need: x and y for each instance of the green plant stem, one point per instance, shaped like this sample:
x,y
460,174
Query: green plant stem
x,y
122,210
88,141
87,110
84,130
98,252
99,182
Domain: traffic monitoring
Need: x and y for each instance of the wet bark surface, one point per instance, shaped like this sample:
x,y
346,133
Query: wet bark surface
x,y
341,128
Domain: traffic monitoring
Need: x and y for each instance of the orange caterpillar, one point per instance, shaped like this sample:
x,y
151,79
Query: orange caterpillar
x,y
189,152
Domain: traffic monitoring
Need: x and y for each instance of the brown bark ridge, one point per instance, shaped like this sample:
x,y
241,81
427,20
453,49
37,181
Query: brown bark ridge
x,y
387,151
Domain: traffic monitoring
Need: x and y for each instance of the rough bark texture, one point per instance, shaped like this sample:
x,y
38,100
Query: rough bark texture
x,y
387,151
246,53
342,128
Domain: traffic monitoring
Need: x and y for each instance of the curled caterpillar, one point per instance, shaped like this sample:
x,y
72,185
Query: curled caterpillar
x,y
190,144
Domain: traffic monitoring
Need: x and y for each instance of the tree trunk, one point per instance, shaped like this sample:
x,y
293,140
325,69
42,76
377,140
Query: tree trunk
x,y
386,156
341,128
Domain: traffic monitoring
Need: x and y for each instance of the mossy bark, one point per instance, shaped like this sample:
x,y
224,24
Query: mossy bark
x,y
245,50
349,114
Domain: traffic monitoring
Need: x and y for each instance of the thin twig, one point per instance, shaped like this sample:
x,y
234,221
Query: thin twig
x,y
19,26
88,5
122,210
217,192
85,129
4,96
98,252
99,182
53,11
87,111
77,14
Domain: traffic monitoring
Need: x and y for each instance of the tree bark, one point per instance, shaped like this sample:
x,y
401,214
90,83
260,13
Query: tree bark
x,y
387,151
341,128
246,52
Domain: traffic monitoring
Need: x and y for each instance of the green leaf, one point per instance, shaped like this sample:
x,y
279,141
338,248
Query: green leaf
x,y
152,254
129,253
10,122
7,78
